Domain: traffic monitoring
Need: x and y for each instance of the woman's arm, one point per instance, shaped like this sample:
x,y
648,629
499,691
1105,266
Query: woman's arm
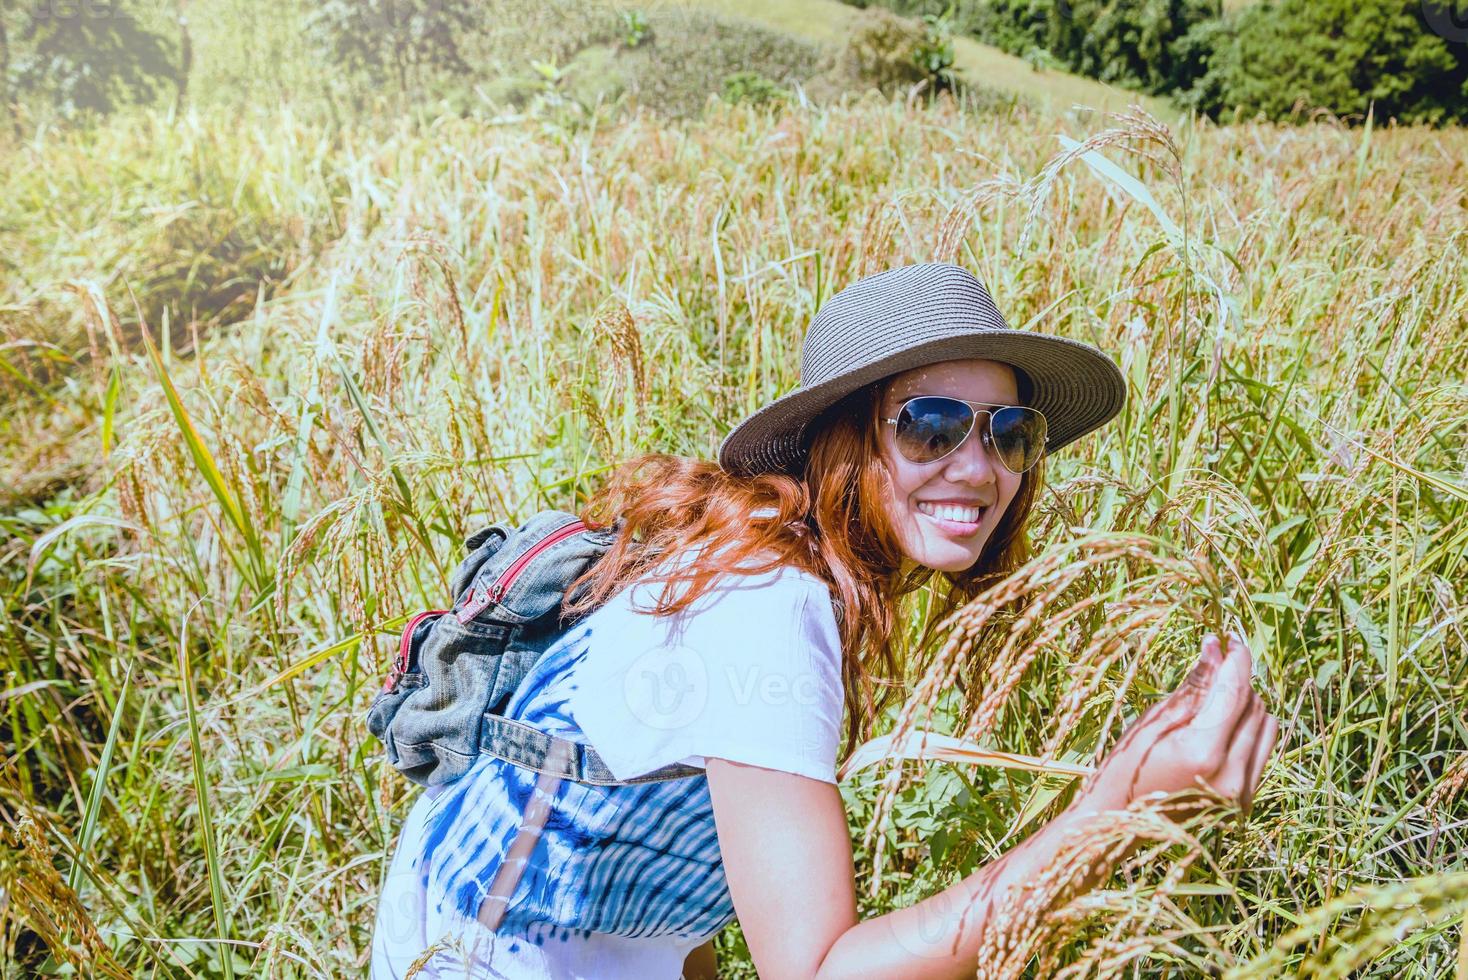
x,y
787,857
787,854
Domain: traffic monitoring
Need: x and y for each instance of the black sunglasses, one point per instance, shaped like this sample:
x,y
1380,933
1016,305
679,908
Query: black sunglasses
x,y
930,427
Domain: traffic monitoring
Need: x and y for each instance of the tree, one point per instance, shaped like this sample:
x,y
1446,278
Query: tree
x,y
82,57
1123,42
1129,42
394,39
1340,55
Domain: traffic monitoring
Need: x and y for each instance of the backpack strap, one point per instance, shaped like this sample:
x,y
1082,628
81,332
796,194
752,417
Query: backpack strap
x,y
530,748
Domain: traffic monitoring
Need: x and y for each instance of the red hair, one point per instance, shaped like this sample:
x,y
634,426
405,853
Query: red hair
x,y
829,520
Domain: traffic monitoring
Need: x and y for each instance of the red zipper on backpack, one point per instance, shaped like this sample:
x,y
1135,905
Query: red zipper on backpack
x,y
401,667
496,591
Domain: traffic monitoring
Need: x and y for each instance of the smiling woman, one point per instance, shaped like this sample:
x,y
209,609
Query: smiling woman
x,y
949,488
742,610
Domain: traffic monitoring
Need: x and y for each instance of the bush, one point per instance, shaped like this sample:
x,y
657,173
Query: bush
x,y
691,53
751,86
682,58
634,28
962,15
894,53
1336,55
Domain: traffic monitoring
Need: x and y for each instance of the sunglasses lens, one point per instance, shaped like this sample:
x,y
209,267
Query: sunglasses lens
x,y
1019,437
929,428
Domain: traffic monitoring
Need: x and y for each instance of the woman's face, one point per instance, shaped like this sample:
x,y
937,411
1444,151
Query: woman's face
x,y
945,510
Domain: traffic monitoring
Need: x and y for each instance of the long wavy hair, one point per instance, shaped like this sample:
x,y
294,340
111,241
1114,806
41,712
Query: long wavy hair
x,y
828,519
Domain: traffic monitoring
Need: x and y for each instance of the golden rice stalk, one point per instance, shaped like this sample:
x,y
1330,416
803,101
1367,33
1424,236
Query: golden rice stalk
x,y
149,463
384,350
1041,917
33,887
963,215
614,326
996,637
99,319
589,402
429,250
1137,130
869,251
1454,779
351,540
421,962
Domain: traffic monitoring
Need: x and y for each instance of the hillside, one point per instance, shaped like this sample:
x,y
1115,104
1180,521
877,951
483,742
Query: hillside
x,y
828,22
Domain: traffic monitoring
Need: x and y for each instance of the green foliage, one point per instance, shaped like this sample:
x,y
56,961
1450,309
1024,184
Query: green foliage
x,y
399,41
1128,43
635,29
751,86
934,53
1123,42
81,58
1410,58
1339,55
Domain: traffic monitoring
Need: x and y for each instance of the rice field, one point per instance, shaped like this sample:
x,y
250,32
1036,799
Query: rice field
x,y
216,515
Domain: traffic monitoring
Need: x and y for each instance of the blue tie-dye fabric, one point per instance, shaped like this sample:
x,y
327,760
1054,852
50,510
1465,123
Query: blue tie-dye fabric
x,y
633,861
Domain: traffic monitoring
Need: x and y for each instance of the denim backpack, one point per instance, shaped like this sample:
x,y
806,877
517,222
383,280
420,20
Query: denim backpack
x,y
457,668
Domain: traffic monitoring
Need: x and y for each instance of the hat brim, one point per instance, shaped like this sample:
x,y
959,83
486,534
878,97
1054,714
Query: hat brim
x,y
1076,386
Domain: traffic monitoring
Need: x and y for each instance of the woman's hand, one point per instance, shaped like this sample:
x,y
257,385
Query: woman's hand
x,y
1211,734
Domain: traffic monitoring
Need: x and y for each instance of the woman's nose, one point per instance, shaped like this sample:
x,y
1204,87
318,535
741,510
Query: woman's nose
x,y
972,462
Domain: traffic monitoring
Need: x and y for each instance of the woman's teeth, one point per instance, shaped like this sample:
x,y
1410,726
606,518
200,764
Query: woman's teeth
x,y
951,512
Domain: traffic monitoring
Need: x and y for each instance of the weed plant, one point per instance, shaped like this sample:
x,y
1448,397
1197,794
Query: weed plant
x,y
210,545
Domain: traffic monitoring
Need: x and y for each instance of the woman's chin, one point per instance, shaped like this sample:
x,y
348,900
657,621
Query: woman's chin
x,y
944,554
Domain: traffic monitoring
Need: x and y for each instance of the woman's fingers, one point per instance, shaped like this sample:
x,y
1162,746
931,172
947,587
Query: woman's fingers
x,y
1233,775
1182,703
1201,676
1263,747
1229,695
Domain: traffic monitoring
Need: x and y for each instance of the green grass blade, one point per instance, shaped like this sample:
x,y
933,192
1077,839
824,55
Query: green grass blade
x,y
206,818
99,784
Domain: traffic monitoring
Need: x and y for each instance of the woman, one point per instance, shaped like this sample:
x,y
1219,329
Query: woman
x,y
911,450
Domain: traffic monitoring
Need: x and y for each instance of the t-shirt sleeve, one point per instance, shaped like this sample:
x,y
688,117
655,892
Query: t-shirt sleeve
x,y
751,672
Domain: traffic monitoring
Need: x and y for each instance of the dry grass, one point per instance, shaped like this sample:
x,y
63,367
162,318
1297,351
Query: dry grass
x,y
201,598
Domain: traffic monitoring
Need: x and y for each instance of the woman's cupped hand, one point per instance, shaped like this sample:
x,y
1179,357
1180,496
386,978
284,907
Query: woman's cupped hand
x,y
1211,735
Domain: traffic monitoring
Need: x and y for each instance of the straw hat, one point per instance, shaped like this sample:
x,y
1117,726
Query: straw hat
x,y
912,316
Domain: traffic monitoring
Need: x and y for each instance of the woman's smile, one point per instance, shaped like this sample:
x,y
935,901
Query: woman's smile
x,y
954,517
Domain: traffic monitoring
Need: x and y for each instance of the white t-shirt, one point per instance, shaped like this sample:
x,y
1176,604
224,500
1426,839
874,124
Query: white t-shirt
x,y
624,881
750,673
